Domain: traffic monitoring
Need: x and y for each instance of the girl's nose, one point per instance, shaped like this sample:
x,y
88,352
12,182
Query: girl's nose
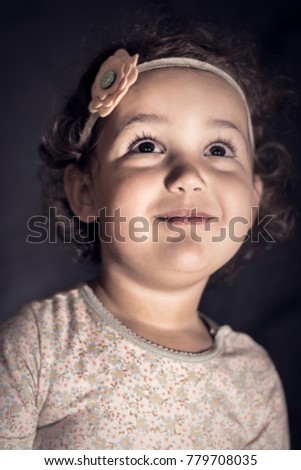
x,y
184,178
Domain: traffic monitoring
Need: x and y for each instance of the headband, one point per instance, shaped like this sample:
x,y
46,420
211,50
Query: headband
x,y
120,71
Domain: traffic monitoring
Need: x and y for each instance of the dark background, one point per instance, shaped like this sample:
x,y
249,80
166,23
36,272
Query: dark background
x,y
45,46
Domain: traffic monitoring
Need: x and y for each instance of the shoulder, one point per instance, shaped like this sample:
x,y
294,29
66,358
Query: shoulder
x,y
243,350
251,367
48,318
255,386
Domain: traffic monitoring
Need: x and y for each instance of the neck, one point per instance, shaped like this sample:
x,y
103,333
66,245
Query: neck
x,y
137,302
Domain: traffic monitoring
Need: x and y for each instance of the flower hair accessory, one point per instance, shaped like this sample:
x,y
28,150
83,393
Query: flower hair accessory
x,y
120,71
111,83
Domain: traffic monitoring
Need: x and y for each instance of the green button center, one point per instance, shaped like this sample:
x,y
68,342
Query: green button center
x,y
108,79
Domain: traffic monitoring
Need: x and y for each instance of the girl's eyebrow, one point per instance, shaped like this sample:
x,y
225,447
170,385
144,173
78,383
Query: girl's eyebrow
x,y
144,118
224,123
127,122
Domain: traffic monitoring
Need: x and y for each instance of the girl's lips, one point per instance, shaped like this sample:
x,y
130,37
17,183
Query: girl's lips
x,y
185,216
184,220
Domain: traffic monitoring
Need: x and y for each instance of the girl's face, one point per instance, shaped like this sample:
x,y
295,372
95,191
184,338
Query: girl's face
x,y
176,146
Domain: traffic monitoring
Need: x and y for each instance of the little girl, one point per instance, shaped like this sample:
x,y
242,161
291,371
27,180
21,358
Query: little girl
x,y
158,159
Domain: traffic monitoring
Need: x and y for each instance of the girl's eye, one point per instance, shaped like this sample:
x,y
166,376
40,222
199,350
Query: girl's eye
x,y
147,145
220,149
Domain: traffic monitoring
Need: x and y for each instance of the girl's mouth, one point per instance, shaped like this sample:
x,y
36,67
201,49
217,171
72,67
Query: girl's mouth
x,y
184,220
185,216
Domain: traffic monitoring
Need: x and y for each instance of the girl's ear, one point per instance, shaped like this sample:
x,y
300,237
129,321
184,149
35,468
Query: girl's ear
x,y
78,188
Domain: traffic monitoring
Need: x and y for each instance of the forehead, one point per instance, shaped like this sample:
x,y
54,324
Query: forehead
x,y
178,91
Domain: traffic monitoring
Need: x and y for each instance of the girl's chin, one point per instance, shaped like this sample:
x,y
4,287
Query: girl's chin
x,y
185,259
199,258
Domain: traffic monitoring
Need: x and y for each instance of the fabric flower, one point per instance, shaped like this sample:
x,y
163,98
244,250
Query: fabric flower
x,y
115,76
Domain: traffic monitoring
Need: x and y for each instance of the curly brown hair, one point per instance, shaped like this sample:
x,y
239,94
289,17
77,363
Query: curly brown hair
x,y
234,53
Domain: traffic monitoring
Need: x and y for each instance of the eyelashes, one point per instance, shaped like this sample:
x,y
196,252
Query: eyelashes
x,y
147,143
139,140
222,148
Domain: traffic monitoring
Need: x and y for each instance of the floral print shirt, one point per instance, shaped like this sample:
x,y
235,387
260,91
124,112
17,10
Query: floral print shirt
x,y
73,377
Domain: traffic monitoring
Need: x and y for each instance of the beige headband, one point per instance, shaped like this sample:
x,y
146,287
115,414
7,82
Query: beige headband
x,y
120,71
